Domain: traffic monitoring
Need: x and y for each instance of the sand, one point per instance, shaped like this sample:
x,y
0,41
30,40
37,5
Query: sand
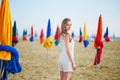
x,y
35,66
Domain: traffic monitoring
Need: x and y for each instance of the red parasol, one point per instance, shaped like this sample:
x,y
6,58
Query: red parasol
x,y
98,44
41,36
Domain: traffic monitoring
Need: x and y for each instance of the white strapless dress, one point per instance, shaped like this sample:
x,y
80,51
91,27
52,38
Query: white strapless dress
x,y
64,63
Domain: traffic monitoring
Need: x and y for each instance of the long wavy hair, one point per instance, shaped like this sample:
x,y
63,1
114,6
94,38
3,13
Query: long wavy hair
x,y
63,27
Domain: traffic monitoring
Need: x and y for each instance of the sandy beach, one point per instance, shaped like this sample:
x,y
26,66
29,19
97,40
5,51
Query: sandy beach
x,y
35,66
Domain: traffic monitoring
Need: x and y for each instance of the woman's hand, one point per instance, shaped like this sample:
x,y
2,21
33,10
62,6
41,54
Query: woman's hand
x,y
73,66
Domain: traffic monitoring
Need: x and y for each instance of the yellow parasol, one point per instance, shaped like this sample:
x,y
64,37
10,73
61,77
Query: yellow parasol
x,y
85,40
5,29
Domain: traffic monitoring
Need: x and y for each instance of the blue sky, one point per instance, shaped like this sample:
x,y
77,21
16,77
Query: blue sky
x,y
36,13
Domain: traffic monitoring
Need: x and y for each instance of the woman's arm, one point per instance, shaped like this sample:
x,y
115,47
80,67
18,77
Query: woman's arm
x,y
67,39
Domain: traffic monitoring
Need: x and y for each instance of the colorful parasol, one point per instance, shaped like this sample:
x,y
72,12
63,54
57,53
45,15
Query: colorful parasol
x,y
56,37
80,38
9,56
107,39
14,35
48,41
85,40
32,35
5,29
24,34
41,36
72,34
98,44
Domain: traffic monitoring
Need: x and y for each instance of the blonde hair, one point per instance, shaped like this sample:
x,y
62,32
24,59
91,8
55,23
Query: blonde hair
x,y
63,25
63,28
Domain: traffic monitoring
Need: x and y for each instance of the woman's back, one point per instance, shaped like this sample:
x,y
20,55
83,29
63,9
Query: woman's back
x,y
63,46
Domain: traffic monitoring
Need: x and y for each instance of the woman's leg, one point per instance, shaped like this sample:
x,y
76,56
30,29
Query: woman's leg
x,y
61,75
66,75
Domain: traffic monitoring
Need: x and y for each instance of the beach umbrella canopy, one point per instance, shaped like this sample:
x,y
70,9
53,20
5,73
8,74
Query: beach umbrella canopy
x,y
36,34
41,36
72,34
13,66
48,41
9,59
80,38
93,36
106,37
24,34
5,29
98,44
56,37
85,40
113,36
14,34
32,35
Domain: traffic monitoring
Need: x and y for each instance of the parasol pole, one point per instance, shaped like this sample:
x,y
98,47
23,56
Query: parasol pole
x,y
7,71
7,75
47,57
1,69
32,46
87,56
96,61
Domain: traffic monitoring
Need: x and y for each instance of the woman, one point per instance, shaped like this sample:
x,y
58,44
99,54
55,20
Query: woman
x,y
66,63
